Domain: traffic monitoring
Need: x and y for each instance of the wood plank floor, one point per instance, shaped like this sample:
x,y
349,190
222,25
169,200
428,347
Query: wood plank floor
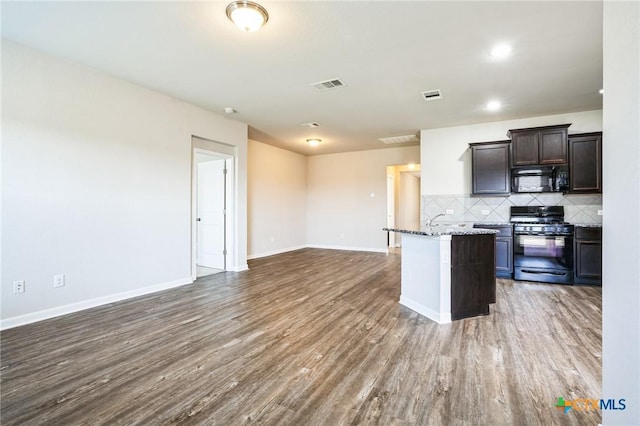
x,y
310,337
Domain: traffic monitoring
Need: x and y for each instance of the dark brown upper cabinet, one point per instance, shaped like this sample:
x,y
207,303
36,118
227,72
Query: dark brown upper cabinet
x,y
490,168
585,163
539,145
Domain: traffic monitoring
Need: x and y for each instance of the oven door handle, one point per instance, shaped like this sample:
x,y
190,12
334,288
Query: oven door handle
x,y
528,271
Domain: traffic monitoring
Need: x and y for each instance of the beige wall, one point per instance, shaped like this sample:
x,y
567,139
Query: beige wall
x,y
346,197
408,201
277,200
96,185
446,160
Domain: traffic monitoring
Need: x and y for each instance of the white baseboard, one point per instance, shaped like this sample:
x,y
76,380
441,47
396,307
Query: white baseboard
x,y
374,250
271,253
440,318
244,267
87,304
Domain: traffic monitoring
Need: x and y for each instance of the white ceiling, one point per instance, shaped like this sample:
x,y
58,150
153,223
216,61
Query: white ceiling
x,y
386,53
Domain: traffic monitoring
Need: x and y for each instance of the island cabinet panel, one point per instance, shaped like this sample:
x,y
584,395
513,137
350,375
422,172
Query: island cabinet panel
x,y
539,145
585,163
490,168
473,275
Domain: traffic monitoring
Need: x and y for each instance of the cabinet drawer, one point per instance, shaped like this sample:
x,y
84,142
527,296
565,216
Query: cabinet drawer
x,y
503,230
585,233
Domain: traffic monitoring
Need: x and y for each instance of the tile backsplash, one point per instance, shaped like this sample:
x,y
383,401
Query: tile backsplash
x,y
577,208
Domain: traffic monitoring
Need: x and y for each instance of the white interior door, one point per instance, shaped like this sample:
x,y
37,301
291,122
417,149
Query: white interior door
x,y
210,233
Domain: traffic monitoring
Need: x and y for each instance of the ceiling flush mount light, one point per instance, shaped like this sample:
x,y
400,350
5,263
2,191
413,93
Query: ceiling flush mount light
x,y
501,51
247,15
493,105
313,142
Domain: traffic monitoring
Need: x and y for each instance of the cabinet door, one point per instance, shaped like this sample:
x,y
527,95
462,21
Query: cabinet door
x,y
553,146
588,259
585,163
473,275
504,256
490,169
524,148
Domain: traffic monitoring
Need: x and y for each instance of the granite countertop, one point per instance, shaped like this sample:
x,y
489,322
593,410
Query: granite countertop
x,y
492,224
438,230
588,225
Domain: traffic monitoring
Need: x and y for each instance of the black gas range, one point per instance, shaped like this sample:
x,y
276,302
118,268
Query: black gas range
x,y
543,244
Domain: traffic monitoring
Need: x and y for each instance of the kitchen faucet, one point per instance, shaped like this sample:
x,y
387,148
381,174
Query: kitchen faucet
x,y
430,221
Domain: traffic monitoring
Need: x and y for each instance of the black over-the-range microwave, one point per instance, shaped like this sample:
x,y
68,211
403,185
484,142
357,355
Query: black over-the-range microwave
x,y
540,179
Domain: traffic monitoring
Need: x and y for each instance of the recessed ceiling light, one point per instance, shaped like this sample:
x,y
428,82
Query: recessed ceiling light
x,y
493,105
601,91
500,51
314,142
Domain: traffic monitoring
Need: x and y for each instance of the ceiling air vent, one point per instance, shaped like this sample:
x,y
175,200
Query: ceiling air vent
x,y
312,125
334,83
432,95
400,139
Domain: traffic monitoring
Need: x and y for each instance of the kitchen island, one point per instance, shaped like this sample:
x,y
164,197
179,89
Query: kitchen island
x,y
448,272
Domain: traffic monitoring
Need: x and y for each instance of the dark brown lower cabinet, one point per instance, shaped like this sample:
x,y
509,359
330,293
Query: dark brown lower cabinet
x,y
504,249
473,275
587,252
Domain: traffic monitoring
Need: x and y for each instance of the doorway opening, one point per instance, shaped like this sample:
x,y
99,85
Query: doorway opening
x,y
212,204
403,201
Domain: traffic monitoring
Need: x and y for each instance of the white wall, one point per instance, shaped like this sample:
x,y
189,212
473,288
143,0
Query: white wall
x,y
96,185
621,203
277,200
446,160
341,211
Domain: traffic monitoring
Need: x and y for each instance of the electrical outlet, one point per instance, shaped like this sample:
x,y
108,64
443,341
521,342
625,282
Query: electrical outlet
x,y
599,212
449,211
58,280
485,212
18,287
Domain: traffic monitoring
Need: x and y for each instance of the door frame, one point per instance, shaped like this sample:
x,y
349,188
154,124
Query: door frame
x,y
230,225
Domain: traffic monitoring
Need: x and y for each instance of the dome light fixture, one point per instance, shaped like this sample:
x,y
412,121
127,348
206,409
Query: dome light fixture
x,y
247,15
314,142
